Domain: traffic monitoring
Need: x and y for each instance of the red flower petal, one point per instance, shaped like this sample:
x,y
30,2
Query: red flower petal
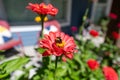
x,y
118,25
93,64
73,28
53,11
57,51
113,16
94,33
115,35
46,53
63,58
110,73
43,9
69,55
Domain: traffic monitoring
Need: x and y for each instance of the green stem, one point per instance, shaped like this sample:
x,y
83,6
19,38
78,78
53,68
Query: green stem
x,y
84,18
42,24
55,67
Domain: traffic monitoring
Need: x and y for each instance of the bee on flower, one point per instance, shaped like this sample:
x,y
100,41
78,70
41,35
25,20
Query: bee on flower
x,y
58,44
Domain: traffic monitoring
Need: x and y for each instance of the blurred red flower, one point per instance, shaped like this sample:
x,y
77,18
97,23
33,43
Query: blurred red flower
x,y
113,16
74,28
58,44
109,73
92,64
43,9
93,33
64,59
115,35
118,25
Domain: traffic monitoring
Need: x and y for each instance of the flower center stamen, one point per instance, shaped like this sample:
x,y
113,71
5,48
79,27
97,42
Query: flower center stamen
x,y
44,6
59,42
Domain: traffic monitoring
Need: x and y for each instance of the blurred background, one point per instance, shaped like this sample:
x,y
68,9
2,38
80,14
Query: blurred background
x,y
94,24
70,14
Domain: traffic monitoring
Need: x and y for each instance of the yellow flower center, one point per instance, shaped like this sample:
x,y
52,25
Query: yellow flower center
x,y
38,19
59,42
45,6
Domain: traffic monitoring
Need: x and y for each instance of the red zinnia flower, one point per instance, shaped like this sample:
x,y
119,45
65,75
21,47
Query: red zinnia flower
x,y
58,43
53,11
43,9
93,64
94,33
115,35
110,73
113,16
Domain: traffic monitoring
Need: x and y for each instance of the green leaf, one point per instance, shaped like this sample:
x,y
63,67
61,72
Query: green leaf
x,y
12,65
61,71
1,50
41,50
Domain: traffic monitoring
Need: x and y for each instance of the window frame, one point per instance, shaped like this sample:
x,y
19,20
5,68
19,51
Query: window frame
x,y
108,5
